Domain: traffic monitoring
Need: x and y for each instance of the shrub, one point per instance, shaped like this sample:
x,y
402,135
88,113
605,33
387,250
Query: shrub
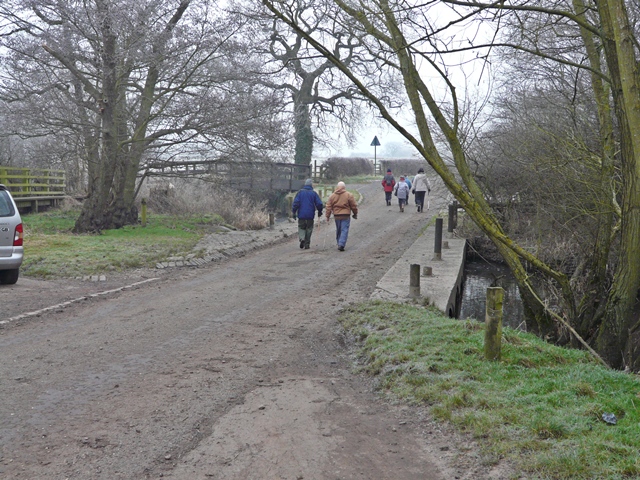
x,y
338,167
407,166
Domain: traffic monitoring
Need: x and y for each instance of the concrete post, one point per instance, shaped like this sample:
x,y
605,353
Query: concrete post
x,y
414,280
437,248
493,324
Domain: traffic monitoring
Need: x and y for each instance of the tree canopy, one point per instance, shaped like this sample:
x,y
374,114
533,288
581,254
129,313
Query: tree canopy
x,y
124,83
423,44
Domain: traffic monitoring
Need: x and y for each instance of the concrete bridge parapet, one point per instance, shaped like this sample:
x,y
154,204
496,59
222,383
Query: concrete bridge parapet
x,y
442,288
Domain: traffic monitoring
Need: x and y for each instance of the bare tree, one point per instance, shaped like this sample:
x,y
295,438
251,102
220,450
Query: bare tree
x,y
600,39
321,99
131,81
413,38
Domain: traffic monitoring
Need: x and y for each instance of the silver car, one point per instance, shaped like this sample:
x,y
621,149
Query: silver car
x,y
11,235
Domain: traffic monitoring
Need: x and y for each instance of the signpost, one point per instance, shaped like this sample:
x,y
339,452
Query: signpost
x,y
375,144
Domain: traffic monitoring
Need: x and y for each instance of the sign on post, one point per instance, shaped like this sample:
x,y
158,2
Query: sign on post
x,y
375,143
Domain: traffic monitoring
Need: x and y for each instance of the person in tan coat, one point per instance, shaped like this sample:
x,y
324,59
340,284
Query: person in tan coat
x,y
342,204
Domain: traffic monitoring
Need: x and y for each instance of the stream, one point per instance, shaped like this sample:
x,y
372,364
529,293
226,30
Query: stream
x,y
480,275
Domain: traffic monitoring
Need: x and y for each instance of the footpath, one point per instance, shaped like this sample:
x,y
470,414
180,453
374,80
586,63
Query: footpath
x,y
441,288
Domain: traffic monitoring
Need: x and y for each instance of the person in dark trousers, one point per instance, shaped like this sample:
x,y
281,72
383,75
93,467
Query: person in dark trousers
x,y
421,187
304,208
342,204
402,192
388,182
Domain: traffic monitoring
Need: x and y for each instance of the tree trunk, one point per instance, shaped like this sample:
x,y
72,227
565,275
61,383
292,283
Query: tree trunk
x,y
303,134
591,308
619,50
103,209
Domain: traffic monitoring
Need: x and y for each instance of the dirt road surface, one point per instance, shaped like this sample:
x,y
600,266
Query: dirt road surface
x,y
234,370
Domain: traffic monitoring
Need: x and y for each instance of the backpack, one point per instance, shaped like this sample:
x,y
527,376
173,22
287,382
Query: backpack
x,y
388,182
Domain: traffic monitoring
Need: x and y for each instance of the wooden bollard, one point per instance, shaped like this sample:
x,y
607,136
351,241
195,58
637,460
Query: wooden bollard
x,y
289,200
445,244
414,280
453,217
272,220
143,213
493,324
427,271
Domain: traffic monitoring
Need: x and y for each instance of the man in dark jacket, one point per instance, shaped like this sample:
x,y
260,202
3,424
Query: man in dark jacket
x,y
304,208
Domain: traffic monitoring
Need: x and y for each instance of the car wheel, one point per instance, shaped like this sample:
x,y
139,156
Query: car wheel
x,y
9,277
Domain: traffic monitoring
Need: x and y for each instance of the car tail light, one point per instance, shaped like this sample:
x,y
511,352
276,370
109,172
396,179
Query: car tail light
x,y
19,235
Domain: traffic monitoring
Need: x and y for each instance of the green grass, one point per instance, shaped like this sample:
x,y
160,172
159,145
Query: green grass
x,y
540,407
52,250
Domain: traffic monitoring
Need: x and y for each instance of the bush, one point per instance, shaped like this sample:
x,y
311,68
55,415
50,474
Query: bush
x,y
189,197
339,167
407,166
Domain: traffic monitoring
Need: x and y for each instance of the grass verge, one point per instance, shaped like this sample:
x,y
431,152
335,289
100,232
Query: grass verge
x,y
540,407
52,250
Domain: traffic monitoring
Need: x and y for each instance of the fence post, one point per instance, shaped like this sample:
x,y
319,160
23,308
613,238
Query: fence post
x,y
493,324
46,181
453,217
143,214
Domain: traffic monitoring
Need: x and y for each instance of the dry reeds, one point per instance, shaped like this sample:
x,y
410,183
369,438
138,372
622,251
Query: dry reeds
x,y
196,197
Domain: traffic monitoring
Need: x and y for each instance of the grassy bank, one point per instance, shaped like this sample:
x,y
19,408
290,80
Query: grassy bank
x,y
540,408
52,250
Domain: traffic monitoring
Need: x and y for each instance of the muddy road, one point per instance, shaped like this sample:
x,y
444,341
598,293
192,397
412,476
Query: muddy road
x,y
234,371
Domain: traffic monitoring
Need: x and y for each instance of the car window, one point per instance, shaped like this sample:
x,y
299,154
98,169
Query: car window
x,y
6,206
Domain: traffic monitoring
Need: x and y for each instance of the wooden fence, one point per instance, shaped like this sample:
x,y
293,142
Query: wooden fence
x,y
32,188
320,170
240,175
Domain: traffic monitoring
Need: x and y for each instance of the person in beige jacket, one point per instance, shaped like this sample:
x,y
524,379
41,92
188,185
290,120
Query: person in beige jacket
x,y
342,204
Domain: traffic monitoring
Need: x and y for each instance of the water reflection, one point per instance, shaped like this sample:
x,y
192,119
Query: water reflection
x,y
480,275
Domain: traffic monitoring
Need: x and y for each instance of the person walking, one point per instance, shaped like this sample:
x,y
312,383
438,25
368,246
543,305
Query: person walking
x,y
388,182
408,182
402,192
342,204
421,187
304,208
